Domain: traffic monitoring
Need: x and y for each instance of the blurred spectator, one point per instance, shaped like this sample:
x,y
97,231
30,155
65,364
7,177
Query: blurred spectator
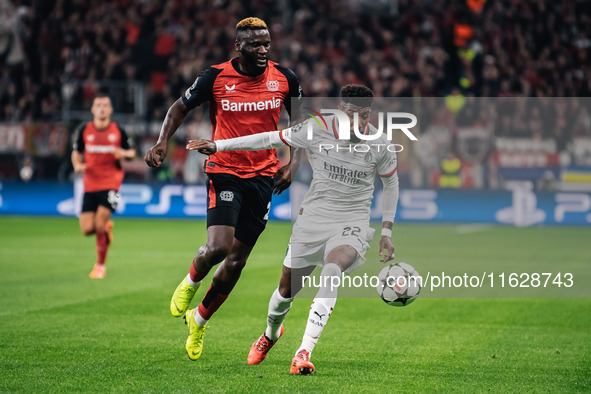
x,y
11,51
450,172
430,48
27,168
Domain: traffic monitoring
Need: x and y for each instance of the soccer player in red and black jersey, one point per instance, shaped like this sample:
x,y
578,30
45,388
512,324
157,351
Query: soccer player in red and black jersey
x,y
101,143
245,96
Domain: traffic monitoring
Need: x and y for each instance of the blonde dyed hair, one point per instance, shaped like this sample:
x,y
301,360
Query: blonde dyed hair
x,y
251,24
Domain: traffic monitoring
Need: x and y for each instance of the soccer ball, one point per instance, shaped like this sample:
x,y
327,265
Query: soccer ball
x,y
399,284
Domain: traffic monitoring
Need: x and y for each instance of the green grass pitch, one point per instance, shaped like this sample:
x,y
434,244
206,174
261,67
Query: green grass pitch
x,y
61,331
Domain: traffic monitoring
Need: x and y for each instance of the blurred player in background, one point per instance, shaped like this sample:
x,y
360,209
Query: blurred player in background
x,y
245,96
332,228
97,148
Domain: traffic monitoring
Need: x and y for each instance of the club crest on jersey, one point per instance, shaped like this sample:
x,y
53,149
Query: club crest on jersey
x,y
368,157
273,86
230,89
226,195
112,137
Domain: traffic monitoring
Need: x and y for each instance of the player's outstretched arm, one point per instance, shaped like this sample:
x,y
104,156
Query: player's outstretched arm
x,y
260,141
206,147
268,140
174,117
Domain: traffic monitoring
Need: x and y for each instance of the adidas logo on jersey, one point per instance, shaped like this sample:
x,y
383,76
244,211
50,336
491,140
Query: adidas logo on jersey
x,y
274,103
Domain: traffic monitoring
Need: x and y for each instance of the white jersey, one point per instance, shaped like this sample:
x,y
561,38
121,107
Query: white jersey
x,y
344,172
336,208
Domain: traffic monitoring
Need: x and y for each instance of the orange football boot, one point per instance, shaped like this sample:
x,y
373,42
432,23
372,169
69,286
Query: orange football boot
x,y
98,272
261,347
301,365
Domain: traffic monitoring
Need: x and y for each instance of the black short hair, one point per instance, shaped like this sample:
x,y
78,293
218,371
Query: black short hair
x,y
101,94
359,95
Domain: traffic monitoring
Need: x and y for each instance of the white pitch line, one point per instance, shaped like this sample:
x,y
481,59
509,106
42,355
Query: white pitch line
x,y
472,228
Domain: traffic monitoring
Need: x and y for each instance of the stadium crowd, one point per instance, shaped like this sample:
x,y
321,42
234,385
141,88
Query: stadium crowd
x,y
530,48
56,54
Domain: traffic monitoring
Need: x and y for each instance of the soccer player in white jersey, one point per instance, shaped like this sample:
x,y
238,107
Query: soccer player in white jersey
x,y
332,229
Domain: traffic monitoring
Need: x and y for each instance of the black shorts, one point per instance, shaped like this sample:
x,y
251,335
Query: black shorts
x,y
107,198
242,203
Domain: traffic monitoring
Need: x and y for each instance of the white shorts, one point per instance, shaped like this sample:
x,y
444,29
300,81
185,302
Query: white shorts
x,y
309,247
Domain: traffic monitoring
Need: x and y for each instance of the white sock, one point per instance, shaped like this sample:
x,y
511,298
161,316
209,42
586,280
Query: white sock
x,y
321,308
198,319
278,308
194,284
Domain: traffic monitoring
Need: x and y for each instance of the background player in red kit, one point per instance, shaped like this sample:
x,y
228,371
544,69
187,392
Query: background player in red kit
x,y
102,144
245,96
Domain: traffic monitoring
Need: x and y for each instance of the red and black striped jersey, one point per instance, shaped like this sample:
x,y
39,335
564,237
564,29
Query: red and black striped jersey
x,y
103,170
243,104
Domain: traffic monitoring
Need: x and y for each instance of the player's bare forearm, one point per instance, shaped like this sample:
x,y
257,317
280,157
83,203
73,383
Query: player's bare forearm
x,y
174,118
282,179
125,153
386,245
77,163
76,158
286,173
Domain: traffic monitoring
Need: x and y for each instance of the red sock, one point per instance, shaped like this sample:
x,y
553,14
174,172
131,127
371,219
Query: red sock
x,y
196,276
102,246
211,303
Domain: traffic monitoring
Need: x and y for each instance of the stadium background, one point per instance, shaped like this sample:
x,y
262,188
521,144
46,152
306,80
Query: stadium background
x,y
60,332
57,54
